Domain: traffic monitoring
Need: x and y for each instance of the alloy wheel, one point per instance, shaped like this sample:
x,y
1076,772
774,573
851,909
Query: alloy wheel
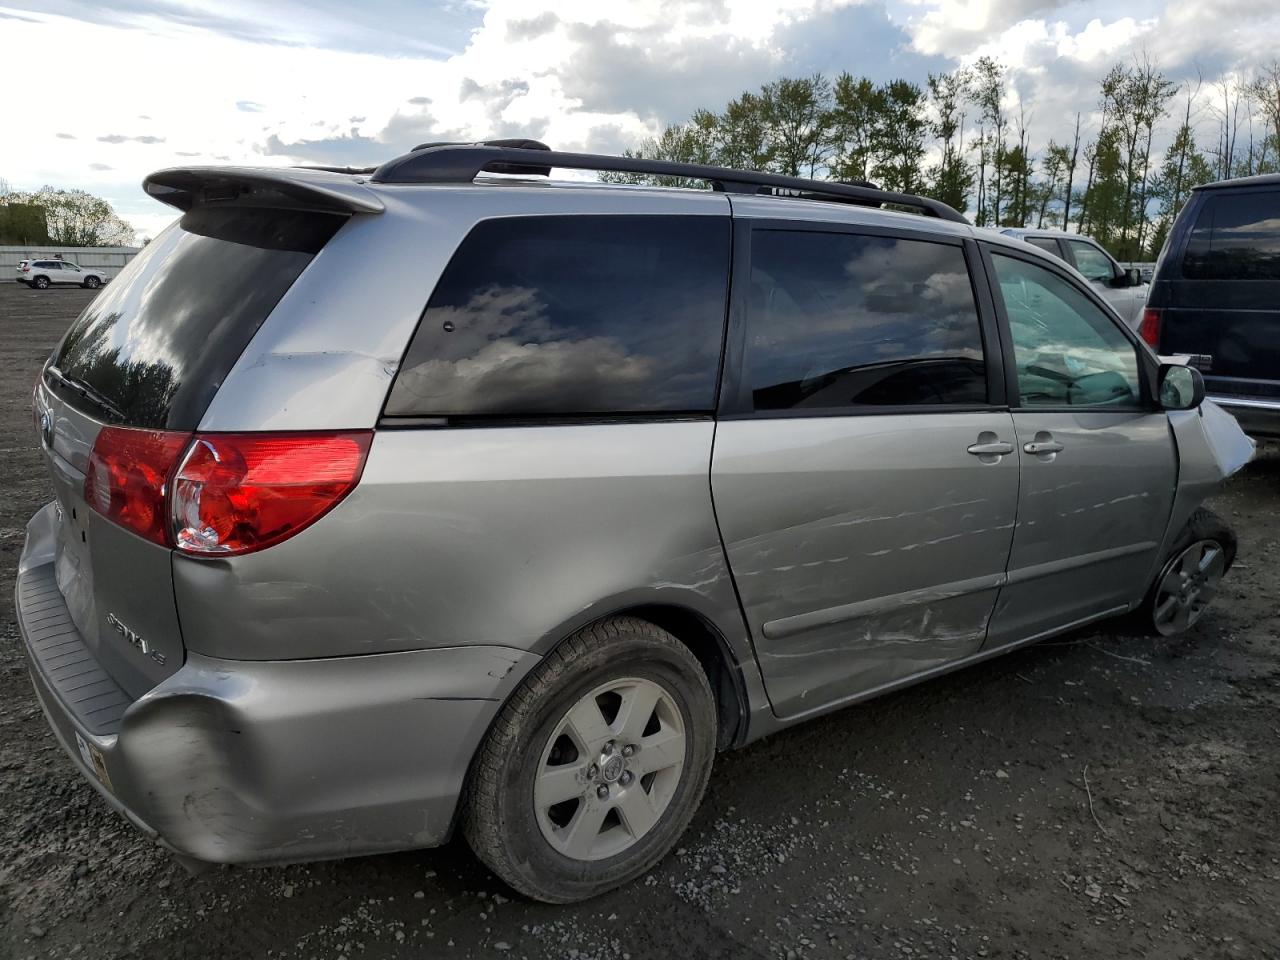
x,y
1187,585
610,768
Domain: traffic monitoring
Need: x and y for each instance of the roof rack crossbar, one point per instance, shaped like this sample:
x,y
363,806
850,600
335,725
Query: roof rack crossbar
x,y
462,163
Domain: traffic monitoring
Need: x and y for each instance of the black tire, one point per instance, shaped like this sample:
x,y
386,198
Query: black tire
x,y
1203,524
92,283
500,823
40,283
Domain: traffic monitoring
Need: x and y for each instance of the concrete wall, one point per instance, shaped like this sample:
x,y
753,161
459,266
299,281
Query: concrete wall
x,y
110,260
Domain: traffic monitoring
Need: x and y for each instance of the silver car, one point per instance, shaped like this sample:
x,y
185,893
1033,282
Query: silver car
x,y
397,501
1123,288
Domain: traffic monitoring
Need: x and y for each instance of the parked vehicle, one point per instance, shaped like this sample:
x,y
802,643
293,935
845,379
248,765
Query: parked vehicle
x,y
42,274
603,480
1124,288
1216,296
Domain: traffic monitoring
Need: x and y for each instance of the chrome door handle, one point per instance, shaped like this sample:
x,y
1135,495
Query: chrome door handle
x,y
995,448
1042,446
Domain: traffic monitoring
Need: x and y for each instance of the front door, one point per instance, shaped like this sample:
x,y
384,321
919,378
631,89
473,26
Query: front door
x,y
71,273
864,474
1098,460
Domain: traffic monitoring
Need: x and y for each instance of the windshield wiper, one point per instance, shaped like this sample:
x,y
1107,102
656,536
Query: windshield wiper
x,y
88,392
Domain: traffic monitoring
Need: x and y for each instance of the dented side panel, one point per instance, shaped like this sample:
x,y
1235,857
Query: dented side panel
x,y
864,549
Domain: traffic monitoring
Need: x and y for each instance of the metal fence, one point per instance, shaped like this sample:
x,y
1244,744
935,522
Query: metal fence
x,y
110,260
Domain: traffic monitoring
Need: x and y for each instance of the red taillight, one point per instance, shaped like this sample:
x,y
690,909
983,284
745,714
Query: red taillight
x,y
26,269
126,478
235,493
1149,329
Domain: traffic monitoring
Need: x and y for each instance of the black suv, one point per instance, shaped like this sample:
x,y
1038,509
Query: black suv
x,y
1216,296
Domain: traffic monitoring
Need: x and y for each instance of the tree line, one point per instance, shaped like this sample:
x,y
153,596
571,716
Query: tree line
x,y
957,139
60,218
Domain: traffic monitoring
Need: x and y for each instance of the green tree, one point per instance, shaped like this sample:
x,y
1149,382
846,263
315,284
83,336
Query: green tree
x,y
951,179
742,134
857,104
74,218
988,95
900,129
1049,189
1183,167
797,112
1102,209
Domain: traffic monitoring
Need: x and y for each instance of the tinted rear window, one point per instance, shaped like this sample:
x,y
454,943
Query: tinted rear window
x,y
838,322
1236,237
598,315
153,348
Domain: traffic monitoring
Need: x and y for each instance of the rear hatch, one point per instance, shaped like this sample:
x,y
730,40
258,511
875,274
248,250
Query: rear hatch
x,y
120,397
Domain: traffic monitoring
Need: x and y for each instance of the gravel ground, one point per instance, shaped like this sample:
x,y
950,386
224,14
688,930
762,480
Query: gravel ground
x,y
950,820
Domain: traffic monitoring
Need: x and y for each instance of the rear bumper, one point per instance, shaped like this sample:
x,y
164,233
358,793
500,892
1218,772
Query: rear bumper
x,y
1258,416
273,761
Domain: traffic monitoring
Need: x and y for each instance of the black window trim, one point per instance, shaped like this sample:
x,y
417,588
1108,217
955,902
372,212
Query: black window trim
x,y
391,421
735,406
1148,363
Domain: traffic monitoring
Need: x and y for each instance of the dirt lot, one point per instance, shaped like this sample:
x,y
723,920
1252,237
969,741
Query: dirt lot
x,y
949,820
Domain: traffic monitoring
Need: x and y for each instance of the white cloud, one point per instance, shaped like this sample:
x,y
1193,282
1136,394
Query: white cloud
x,y
281,82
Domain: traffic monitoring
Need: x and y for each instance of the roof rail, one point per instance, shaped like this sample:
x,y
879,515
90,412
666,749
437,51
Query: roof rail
x,y
462,163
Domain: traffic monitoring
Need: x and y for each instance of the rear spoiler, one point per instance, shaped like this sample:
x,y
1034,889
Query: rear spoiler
x,y
187,187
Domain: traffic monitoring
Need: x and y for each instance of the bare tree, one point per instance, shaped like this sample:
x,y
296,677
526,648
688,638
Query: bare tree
x,y
1071,175
1265,92
1226,110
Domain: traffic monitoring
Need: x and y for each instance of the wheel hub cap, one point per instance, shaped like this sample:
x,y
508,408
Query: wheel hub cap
x,y
1187,585
610,769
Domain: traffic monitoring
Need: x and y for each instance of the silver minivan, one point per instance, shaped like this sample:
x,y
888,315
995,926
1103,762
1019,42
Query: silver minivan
x,y
444,496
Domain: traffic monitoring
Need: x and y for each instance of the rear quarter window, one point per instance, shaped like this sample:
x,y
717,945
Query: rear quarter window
x,y
1236,237
153,348
572,316
1046,244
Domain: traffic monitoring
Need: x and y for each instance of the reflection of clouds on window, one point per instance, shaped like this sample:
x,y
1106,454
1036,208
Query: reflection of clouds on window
x,y
837,320
557,315
505,373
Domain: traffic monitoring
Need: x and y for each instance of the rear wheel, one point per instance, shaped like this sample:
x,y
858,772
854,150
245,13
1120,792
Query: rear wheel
x,y
40,283
595,766
92,283
1188,581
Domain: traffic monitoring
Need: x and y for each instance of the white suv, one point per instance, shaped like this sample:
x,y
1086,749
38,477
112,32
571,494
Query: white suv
x,y
41,274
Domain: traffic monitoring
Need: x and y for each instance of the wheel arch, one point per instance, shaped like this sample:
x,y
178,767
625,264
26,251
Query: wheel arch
x,y
711,647
728,665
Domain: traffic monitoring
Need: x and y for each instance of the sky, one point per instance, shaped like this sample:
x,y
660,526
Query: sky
x,y
119,90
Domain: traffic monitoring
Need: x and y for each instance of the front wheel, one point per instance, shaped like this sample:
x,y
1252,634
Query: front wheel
x,y
92,283
595,766
1189,579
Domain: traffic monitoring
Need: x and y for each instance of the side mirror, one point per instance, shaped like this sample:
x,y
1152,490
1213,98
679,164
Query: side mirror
x,y
1127,278
1181,387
